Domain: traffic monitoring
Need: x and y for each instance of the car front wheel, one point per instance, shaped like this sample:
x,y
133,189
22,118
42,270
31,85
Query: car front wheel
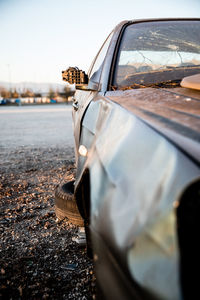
x,y
65,204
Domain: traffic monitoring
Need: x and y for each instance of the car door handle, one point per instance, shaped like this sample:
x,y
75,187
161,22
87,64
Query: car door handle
x,y
75,105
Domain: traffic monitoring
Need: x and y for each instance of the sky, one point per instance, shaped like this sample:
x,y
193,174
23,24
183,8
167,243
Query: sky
x,y
40,38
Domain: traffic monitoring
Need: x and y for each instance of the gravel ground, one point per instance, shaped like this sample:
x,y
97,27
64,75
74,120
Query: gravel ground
x,y
38,258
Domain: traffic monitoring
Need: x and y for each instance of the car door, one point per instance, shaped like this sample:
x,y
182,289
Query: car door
x,y
83,98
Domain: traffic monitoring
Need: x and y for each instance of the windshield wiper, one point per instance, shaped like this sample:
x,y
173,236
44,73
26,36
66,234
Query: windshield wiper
x,y
167,84
164,84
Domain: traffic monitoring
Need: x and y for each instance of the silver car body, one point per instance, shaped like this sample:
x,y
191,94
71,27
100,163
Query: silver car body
x,y
141,153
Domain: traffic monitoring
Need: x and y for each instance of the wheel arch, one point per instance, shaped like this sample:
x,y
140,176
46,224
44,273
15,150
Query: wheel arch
x,y
188,224
82,195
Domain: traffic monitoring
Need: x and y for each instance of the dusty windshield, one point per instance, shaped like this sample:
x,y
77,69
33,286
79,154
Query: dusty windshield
x,y
158,52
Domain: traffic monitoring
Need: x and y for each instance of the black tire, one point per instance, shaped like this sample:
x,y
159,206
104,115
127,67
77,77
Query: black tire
x,y
65,204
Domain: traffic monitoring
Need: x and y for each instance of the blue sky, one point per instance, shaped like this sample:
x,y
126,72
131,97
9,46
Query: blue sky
x,y
40,38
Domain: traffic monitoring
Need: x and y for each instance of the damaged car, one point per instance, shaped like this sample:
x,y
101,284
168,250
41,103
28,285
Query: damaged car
x,y
136,117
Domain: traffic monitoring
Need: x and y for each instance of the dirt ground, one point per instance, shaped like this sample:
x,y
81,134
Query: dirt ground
x,y
38,257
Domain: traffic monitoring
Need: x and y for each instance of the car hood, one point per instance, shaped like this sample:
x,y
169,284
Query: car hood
x,y
173,112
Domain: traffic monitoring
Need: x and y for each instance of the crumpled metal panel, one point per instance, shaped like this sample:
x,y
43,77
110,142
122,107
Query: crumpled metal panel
x,y
136,177
154,258
173,112
142,165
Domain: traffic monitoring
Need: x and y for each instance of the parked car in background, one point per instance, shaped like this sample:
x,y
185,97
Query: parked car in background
x,y
136,122
4,101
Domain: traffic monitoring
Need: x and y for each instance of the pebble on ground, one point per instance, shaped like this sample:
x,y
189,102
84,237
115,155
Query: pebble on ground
x,y
38,257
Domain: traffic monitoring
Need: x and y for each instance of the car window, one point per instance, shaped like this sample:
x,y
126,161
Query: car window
x,y
95,71
154,52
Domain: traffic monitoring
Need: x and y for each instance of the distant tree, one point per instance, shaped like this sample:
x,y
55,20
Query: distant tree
x,y
57,92
15,94
68,92
38,95
5,93
51,93
27,93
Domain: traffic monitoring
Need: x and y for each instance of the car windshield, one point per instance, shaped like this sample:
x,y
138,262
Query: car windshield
x,y
157,52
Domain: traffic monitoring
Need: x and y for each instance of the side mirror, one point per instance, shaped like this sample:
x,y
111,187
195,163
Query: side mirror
x,y
75,76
